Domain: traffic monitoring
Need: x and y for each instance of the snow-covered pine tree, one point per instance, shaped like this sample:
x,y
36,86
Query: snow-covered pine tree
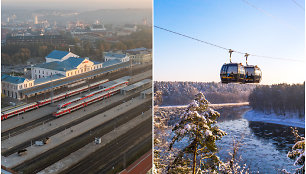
x,y
297,153
197,124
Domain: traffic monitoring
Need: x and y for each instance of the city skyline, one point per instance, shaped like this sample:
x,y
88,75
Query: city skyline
x,y
273,28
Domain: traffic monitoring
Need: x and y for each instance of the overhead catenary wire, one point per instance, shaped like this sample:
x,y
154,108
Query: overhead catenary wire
x,y
224,48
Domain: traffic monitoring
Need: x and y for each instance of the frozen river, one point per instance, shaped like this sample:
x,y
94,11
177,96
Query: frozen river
x,y
265,145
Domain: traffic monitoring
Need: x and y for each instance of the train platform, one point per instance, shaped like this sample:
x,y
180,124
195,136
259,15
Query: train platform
x,y
135,86
146,93
27,117
63,120
90,148
49,109
61,137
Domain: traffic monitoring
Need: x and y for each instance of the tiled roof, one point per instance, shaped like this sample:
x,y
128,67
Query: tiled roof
x,y
66,65
96,63
56,54
12,79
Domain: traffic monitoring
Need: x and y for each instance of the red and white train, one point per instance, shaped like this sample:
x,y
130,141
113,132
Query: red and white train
x,y
69,102
89,99
27,107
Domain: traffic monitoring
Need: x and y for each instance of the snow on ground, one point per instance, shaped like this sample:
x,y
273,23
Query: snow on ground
x,y
288,120
211,105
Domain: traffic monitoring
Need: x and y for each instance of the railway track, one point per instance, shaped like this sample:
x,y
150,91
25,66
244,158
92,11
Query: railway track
x,y
126,159
22,128
66,126
46,159
25,127
110,76
112,150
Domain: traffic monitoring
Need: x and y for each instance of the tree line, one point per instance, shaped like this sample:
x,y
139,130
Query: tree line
x,y
279,99
181,93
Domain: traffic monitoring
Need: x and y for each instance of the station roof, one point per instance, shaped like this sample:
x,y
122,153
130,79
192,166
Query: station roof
x,y
12,79
148,91
47,79
56,54
136,85
66,65
68,80
96,63
125,78
115,55
111,63
137,49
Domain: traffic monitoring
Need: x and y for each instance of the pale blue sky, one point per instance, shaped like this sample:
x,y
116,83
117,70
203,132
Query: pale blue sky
x,y
276,29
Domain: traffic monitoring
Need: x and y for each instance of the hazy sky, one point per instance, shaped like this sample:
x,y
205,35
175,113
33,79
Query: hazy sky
x,y
77,4
271,28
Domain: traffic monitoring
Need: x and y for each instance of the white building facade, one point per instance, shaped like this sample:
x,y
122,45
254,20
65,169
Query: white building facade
x,y
11,85
115,56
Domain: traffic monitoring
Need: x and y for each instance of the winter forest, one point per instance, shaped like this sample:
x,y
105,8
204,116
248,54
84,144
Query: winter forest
x,y
182,93
189,140
279,99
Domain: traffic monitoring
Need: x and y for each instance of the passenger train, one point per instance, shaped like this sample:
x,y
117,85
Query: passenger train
x,y
34,105
65,104
89,99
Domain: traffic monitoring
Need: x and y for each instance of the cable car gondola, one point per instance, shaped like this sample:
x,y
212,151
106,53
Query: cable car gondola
x,y
232,72
252,72
237,73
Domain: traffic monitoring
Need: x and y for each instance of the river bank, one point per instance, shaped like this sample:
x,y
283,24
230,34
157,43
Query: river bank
x,y
289,120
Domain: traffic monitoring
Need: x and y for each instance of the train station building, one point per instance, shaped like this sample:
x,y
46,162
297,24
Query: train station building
x,y
63,63
59,65
140,55
11,85
116,56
